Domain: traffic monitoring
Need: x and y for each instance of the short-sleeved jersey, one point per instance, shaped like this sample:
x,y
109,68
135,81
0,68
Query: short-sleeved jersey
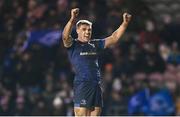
x,y
84,58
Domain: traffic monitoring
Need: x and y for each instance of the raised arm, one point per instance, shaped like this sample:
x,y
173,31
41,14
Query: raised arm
x,y
116,35
67,39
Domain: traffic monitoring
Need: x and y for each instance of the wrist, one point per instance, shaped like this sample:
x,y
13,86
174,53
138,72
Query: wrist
x,y
72,20
124,24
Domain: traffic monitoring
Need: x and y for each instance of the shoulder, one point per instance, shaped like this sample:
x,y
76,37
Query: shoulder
x,y
99,42
74,42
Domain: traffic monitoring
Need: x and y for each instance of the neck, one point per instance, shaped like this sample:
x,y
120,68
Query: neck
x,y
82,41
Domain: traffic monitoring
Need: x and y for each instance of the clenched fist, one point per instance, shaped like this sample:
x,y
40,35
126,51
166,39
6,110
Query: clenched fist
x,y
126,17
74,13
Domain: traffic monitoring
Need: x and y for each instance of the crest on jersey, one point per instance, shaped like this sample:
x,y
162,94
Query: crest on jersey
x,y
91,44
83,102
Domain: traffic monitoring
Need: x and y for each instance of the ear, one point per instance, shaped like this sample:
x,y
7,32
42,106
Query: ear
x,y
77,30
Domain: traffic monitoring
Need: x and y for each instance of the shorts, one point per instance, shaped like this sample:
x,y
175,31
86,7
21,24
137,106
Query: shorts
x,y
87,94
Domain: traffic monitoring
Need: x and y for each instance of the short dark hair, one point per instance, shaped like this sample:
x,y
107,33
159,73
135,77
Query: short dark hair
x,y
81,22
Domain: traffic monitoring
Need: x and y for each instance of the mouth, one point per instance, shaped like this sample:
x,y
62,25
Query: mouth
x,y
86,36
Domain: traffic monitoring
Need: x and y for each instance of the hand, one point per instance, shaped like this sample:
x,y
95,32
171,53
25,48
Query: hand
x,y
126,18
74,13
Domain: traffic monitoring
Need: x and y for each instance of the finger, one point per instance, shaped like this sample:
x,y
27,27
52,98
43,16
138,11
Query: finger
x,y
76,9
127,16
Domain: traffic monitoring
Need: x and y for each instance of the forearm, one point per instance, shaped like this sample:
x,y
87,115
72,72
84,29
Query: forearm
x,y
116,35
68,29
66,35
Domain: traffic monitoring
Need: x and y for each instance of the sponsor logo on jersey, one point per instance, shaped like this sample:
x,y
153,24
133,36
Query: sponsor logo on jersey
x,y
88,53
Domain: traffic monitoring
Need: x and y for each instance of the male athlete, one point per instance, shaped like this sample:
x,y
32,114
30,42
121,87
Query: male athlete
x,y
82,53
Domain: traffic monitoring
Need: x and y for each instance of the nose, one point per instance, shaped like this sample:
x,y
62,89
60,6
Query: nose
x,y
87,32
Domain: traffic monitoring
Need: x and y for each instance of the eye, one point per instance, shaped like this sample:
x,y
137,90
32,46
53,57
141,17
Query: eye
x,y
84,29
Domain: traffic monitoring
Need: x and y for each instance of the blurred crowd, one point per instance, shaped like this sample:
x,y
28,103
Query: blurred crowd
x,y
39,80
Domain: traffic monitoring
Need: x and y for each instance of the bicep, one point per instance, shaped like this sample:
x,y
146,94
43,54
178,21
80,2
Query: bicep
x,y
67,42
108,41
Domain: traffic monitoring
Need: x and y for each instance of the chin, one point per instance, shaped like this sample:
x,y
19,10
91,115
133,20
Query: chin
x,y
86,40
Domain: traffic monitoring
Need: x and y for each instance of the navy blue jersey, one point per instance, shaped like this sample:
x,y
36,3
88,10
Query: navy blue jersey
x,y
84,58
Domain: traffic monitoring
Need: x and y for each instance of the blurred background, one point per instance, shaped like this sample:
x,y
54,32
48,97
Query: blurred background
x,y
141,73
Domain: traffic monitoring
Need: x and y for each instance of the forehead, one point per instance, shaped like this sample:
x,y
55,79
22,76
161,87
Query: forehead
x,y
81,26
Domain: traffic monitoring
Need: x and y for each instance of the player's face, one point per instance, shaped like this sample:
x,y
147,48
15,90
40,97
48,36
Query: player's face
x,y
84,32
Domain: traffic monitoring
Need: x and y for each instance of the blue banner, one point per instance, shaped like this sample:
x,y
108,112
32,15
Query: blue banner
x,y
44,37
159,103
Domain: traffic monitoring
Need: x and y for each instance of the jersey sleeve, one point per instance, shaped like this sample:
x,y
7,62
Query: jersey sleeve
x,y
100,43
71,48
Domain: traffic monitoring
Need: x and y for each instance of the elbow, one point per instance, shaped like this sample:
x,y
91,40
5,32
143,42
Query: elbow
x,y
64,36
114,38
